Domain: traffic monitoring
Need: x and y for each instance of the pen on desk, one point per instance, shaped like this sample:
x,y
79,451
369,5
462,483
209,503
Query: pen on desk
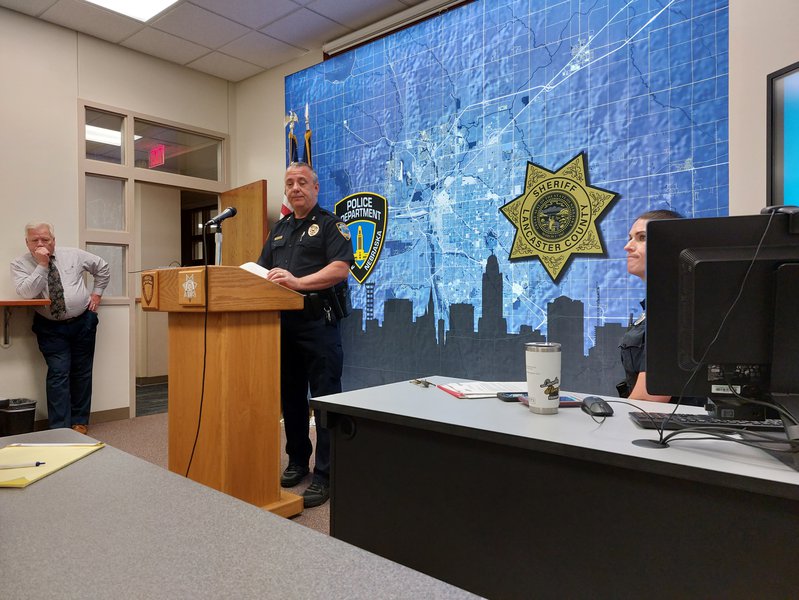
x,y
22,465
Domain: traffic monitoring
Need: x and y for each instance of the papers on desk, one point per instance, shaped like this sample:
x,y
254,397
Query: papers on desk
x,y
482,389
51,456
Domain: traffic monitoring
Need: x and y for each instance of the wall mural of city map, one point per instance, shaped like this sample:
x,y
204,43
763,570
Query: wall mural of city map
x,y
442,119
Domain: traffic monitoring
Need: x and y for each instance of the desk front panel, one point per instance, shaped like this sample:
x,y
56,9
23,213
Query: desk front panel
x,y
509,522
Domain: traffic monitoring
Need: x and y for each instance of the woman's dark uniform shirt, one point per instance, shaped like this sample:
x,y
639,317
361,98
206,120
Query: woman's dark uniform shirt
x,y
633,350
633,357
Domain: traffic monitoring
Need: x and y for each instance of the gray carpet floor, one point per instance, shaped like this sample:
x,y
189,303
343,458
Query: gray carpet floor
x,y
146,437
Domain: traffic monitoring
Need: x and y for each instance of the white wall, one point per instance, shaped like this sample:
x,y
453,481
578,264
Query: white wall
x,y
38,158
763,39
46,69
120,77
38,165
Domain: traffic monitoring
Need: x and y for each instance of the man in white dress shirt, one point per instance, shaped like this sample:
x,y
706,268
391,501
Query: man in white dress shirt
x,y
66,330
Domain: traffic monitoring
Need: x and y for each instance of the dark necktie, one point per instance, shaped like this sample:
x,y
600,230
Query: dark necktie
x,y
58,307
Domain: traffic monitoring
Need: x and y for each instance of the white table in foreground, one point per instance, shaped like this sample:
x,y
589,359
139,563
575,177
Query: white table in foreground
x,y
509,504
114,526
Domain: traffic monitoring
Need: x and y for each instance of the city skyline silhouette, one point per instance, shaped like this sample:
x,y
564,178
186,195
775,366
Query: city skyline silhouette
x,y
404,348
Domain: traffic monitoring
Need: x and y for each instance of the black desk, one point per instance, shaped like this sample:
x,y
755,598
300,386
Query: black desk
x,y
113,526
509,504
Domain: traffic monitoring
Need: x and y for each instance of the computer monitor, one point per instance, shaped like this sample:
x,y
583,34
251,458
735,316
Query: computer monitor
x,y
697,271
782,135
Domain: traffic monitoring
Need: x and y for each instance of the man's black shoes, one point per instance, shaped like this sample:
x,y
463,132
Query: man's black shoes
x,y
293,475
317,494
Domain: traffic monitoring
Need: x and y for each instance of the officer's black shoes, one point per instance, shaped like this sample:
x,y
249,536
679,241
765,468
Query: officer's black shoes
x,y
293,475
317,494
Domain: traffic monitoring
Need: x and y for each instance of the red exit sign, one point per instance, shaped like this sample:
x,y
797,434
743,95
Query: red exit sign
x,y
157,154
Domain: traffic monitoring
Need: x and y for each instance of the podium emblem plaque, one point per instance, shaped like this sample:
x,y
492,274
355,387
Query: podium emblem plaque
x,y
191,287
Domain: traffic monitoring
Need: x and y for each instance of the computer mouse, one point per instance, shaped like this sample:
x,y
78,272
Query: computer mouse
x,y
596,407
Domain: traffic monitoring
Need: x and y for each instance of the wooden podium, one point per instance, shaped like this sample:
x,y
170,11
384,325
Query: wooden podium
x,y
238,448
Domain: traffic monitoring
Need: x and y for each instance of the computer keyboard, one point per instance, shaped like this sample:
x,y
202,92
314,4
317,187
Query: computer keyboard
x,y
683,421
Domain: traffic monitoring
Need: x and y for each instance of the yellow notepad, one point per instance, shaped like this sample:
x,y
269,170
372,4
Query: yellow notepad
x,y
52,456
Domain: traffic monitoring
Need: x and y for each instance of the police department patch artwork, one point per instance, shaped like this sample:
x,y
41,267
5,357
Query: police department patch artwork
x,y
366,216
555,218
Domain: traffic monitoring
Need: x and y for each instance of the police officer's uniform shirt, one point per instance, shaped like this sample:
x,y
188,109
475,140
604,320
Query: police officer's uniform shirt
x,y
304,246
633,349
633,356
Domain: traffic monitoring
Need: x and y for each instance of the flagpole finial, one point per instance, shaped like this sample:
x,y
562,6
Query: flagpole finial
x,y
290,119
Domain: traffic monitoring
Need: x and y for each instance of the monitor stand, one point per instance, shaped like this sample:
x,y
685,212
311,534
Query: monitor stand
x,y
790,402
726,408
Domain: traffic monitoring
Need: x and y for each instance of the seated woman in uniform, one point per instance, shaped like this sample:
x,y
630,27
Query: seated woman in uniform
x,y
633,347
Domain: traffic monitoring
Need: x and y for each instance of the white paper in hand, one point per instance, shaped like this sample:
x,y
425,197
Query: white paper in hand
x,y
255,269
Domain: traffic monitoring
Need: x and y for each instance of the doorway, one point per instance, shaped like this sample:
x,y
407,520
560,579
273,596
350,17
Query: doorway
x,y
166,221
196,208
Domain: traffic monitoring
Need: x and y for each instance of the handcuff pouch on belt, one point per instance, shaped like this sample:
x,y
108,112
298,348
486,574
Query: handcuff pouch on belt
x,y
333,304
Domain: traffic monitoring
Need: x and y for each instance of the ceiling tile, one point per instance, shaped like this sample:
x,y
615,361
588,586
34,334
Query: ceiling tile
x,y
262,50
200,26
252,13
305,28
357,13
91,19
224,66
249,35
165,46
29,7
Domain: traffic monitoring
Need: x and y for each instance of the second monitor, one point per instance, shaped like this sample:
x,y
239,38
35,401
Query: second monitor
x,y
723,310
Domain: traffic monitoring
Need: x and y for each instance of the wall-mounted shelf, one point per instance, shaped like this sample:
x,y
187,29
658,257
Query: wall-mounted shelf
x,y
7,305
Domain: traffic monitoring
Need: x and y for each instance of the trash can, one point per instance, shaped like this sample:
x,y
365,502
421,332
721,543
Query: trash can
x,y
3,404
17,415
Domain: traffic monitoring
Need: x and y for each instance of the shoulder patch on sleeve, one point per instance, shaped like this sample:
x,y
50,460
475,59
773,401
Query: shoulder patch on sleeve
x,y
343,230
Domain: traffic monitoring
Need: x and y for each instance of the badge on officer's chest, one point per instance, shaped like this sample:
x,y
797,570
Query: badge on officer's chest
x,y
313,230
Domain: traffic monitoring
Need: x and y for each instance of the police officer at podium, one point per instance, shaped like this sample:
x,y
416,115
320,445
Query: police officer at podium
x,y
309,251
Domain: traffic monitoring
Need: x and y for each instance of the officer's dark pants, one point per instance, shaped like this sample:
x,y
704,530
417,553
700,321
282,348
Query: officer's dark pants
x,y
68,349
311,357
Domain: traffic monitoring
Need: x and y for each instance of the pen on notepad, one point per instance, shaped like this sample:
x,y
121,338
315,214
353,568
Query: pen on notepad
x,y
22,465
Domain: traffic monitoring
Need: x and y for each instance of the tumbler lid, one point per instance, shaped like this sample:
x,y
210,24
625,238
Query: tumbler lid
x,y
542,347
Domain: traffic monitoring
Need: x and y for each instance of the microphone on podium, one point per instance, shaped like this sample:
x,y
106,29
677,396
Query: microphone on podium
x,y
230,211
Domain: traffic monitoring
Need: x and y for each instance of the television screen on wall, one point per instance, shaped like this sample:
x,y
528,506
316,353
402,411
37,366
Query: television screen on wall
x,y
783,136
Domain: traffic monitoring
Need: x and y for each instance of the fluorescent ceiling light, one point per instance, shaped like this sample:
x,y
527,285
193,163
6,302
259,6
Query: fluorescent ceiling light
x,y
424,10
102,135
141,10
